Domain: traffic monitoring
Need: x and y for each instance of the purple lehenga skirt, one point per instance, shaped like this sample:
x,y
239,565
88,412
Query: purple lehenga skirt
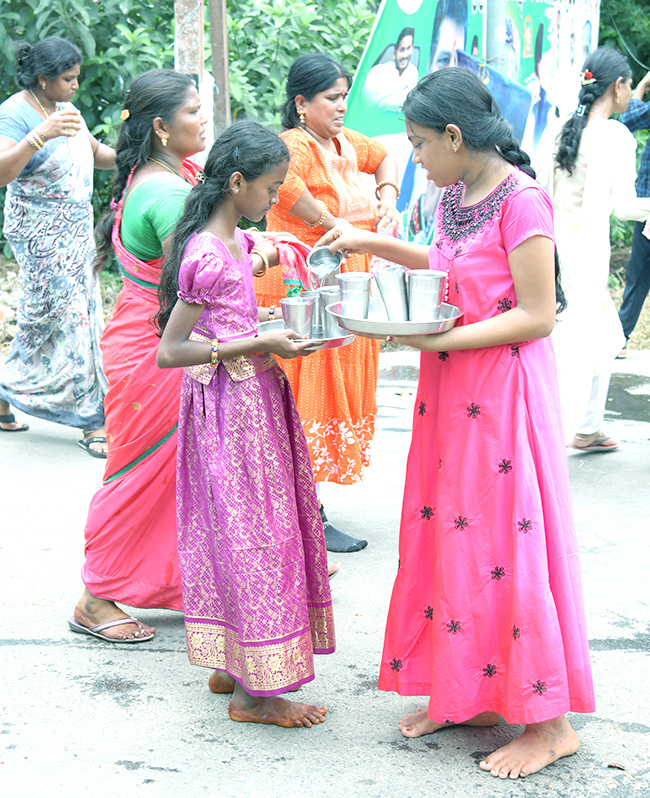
x,y
251,544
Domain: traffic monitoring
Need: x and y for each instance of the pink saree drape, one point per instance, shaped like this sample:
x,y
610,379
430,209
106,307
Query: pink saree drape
x,y
131,550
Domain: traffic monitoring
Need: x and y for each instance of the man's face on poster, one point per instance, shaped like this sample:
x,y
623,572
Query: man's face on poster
x,y
451,37
403,53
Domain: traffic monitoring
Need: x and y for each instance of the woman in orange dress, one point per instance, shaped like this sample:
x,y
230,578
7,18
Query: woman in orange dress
x,y
334,389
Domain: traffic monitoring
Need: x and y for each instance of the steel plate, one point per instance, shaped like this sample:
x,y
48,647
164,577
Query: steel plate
x,y
316,343
377,322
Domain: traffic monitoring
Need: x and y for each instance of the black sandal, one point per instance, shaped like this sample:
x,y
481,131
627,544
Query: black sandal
x,y
9,418
85,445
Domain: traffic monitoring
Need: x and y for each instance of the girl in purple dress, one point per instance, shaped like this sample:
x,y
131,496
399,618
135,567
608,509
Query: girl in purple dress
x,y
486,615
251,544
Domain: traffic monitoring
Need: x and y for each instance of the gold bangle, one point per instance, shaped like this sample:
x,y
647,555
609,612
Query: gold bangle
x,y
320,219
272,310
214,354
265,261
34,141
386,183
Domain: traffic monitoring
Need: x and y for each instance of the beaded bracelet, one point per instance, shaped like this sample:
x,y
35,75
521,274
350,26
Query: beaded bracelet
x,y
265,261
214,353
320,219
386,183
272,310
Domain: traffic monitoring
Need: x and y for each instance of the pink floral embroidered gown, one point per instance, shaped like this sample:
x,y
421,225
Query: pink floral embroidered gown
x,y
487,612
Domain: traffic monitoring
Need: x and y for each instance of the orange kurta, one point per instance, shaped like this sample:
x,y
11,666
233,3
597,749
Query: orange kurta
x,y
335,390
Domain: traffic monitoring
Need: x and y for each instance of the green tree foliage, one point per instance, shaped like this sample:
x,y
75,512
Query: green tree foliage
x,y
625,24
266,36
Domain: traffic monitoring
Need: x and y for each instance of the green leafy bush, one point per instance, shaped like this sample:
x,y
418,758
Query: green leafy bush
x,y
266,36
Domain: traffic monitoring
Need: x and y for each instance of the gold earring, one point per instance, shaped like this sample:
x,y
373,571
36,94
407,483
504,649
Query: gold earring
x,y
301,116
164,141
453,146
43,85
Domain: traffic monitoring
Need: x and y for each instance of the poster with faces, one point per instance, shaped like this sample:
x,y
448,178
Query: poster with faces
x,y
528,52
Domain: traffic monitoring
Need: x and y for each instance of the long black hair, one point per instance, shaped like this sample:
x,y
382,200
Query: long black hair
x,y
156,93
245,147
455,96
606,65
50,57
308,76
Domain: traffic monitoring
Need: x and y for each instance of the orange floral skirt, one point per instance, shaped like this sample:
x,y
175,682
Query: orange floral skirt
x,y
335,391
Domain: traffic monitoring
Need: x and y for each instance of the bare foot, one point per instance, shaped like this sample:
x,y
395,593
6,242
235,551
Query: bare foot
x,y
418,723
220,682
91,611
538,746
277,711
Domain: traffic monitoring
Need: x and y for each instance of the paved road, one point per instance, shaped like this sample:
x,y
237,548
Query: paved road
x,y
83,718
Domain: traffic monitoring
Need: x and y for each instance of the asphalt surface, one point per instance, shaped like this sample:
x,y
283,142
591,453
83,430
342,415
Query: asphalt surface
x,y
79,717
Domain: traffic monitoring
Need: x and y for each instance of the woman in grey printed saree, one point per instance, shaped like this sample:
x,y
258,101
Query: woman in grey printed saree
x,y
47,155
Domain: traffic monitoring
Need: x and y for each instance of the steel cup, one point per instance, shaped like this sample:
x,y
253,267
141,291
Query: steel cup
x,y
296,313
355,294
316,329
323,265
392,287
425,287
331,327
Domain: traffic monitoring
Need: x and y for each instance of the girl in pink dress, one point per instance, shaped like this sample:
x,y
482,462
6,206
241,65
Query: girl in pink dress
x,y
250,538
486,615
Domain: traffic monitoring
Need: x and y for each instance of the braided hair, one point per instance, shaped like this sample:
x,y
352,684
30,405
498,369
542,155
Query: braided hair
x,y
50,57
606,65
246,147
156,93
455,96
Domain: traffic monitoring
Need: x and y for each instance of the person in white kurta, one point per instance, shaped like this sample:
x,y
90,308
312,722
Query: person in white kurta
x,y
588,334
387,84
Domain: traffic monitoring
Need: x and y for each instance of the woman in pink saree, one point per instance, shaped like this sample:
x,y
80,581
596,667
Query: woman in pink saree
x,y
131,554
131,551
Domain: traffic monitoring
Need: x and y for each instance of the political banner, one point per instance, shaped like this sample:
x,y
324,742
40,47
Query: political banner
x,y
528,52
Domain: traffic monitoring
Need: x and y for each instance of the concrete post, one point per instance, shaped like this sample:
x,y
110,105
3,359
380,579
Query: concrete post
x,y
219,44
188,44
